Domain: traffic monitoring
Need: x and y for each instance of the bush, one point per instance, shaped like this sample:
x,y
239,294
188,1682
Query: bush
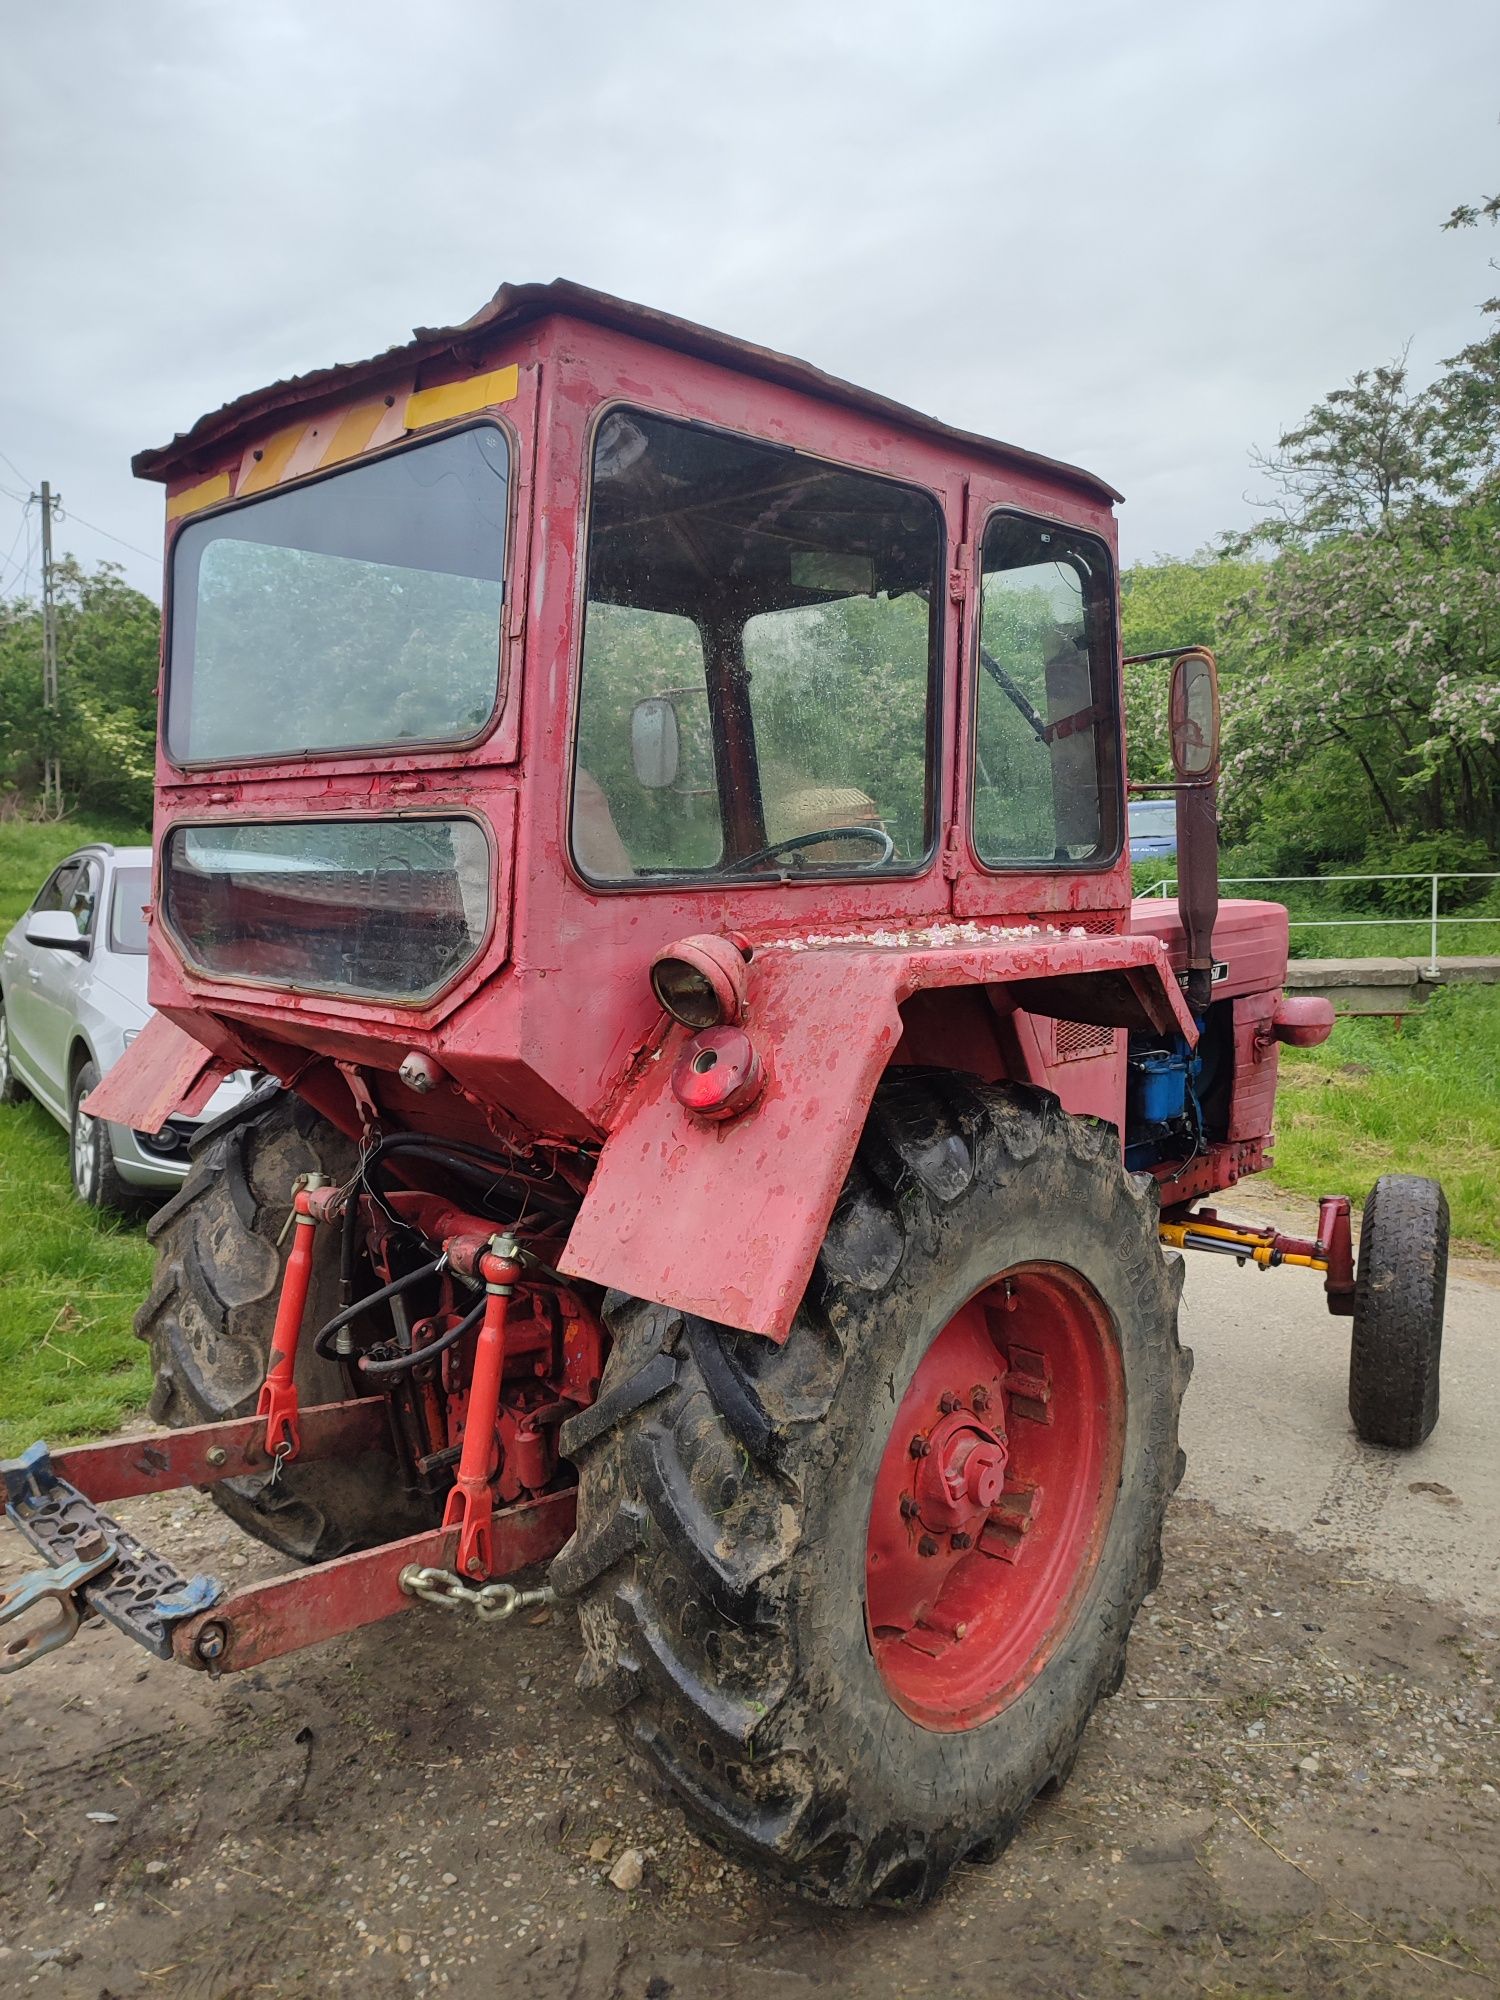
x,y
1422,854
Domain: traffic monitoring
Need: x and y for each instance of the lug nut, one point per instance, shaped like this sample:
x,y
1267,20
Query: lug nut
x,y
216,1454
908,1507
980,1397
920,1447
948,1403
927,1546
961,1541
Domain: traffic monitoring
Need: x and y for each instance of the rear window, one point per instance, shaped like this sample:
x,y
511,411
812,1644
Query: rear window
x,y
127,912
387,909
358,610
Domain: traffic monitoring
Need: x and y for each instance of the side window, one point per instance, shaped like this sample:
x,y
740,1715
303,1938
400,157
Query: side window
x,y
57,891
83,897
1046,785
760,645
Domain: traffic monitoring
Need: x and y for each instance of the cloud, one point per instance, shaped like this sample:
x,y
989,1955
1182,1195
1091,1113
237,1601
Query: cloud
x,y
1142,237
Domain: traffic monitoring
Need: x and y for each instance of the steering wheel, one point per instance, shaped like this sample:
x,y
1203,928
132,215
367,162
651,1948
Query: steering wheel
x,y
794,843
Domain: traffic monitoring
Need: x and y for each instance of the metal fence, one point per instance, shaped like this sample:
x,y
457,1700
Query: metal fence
x,y
1434,918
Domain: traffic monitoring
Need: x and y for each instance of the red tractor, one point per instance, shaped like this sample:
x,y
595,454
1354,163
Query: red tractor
x,y
654,813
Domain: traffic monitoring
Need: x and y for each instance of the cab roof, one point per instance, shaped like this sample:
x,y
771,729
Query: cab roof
x,y
516,305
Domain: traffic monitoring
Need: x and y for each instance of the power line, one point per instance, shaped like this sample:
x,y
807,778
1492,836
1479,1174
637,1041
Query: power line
x,y
10,561
17,470
72,514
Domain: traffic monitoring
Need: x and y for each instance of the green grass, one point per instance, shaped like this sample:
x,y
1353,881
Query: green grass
x,y
30,849
1423,1098
73,1276
70,1277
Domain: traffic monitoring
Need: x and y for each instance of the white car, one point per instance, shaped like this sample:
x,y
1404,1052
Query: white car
x,y
72,999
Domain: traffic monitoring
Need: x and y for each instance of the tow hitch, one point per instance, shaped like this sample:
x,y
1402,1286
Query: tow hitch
x,y
96,1568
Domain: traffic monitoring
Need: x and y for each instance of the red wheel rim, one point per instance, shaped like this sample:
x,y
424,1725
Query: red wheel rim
x,y
994,1496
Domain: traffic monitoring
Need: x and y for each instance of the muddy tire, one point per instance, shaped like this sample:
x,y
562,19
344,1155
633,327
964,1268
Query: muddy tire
x,y
731,1490
1395,1350
208,1323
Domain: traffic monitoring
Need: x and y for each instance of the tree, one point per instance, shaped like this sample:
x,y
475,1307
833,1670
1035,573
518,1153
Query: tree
x,y
104,726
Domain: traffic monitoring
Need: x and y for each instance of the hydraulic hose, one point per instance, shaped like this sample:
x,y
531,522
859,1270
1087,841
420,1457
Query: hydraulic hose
x,y
397,1285
399,1363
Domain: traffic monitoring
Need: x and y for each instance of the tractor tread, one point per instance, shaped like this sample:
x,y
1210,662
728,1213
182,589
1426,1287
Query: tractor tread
x,y
1396,1339
696,1559
649,1382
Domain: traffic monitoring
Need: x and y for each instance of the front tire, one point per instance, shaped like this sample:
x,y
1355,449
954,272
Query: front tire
x,y
1396,1342
12,1090
91,1154
738,1500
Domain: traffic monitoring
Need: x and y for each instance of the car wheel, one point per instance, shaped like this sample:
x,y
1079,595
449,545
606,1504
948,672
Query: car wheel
x,y
12,1090
96,1178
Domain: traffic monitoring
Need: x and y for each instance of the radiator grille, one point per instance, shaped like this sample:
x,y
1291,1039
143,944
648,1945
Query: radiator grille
x,y
1076,1040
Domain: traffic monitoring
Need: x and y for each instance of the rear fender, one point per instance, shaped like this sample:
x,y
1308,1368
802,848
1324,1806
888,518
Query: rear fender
x,y
726,1220
163,1071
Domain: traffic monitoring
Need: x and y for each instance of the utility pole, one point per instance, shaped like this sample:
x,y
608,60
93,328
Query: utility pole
x,y
52,801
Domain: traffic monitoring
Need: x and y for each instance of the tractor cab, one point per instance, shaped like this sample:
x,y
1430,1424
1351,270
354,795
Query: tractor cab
x,y
655,815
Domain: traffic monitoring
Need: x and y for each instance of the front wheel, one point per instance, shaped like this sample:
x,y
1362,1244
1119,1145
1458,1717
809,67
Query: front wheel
x,y
855,1597
12,1090
1396,1342
91,1154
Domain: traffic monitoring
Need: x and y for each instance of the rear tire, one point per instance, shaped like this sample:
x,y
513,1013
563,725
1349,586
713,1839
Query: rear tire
x,y
208,1323
729,1489
91,1153
1395,1349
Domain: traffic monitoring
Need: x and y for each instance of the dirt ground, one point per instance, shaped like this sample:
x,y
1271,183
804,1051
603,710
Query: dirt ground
x,y
1295,1792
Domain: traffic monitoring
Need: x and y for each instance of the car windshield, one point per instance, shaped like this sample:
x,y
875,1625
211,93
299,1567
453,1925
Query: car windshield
x,y
759,646
1153,819
127,910
356,610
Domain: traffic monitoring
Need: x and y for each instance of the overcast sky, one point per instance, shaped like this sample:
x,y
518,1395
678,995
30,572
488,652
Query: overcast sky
x,y
1140,236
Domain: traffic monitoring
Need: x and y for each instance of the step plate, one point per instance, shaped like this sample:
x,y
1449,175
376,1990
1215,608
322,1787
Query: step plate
x,y
55,1517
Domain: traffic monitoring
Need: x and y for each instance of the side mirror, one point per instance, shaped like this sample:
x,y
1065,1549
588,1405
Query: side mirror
x,y
57,930
655,742
1194,711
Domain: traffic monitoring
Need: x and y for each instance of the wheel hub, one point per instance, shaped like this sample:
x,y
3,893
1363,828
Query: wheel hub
x,y
993,1496
961,1474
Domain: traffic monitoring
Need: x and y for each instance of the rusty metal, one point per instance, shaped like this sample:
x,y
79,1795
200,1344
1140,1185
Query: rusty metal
x,y
309,1606
161,1461
514,308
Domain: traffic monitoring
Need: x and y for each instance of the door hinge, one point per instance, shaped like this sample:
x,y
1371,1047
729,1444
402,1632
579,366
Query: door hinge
x,y
958,575
952,857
